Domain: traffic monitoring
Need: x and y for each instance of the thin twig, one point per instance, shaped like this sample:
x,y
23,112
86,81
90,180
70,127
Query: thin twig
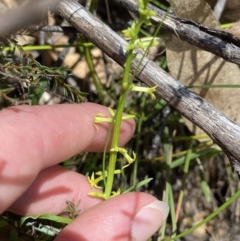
x,y
67,29
53,28
218,8
218,42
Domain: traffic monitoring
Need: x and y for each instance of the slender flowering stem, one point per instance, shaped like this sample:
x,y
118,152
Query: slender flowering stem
x,y
126,84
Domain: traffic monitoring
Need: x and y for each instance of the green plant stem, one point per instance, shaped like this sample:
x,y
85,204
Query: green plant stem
x,y
41,47
118,116
93,73
226,25
184,178
139,127
168,158
208,218
195,149
113,154
92,5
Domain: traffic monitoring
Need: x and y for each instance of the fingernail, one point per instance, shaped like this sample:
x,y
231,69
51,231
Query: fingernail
x,y
148,220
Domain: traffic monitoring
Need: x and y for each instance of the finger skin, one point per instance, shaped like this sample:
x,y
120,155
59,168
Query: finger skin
x,y
50,191
47,138
36,137
109,220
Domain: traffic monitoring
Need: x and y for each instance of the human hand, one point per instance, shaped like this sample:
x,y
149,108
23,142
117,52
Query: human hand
x,y
34,139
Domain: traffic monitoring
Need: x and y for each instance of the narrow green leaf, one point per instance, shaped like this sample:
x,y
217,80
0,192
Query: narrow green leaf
x,y
138,185
47,216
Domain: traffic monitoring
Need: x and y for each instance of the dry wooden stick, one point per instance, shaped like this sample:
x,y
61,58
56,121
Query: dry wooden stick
x,y
218,42
219,127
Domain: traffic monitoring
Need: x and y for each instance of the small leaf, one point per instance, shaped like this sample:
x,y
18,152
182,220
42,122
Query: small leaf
x,y
138,185
47,216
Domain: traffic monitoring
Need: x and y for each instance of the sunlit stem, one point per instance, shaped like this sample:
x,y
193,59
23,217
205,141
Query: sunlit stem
x,y
119,113
113,155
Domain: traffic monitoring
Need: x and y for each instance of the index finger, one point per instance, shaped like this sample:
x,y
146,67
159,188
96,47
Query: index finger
x,y
35,137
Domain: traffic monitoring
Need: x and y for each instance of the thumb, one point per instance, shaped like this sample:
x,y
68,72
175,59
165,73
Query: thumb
x,y
127,217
